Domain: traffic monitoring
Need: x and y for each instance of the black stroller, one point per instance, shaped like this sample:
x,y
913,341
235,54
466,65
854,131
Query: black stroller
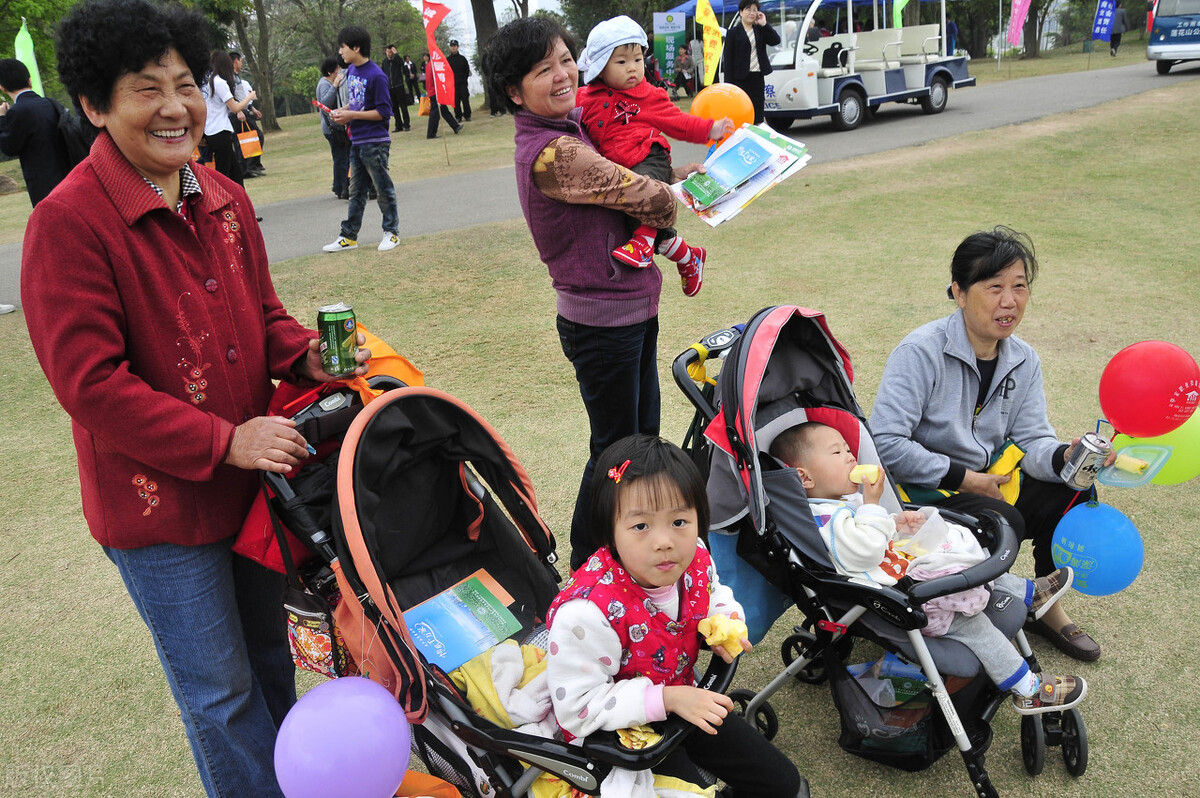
x,y
784,367
427,493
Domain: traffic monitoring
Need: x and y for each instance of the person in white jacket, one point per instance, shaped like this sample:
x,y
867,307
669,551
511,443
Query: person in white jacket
x,y
624,629
861,536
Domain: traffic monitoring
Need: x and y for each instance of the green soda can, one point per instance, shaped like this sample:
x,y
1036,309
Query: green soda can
x,y
339,338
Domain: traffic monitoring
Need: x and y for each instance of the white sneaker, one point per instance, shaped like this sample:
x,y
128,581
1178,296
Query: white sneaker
x,y
6,308
390,241
341,244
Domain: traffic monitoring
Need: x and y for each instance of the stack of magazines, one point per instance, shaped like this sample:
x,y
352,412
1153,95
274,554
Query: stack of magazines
x,y
749,163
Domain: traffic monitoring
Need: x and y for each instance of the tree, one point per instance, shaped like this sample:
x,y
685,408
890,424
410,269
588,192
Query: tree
x,y
976,20
582,15
41,17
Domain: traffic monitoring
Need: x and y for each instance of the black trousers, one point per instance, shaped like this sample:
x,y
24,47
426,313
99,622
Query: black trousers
x,y
739,756
755,85
222,145
462,102
400,108
1039,507
436,108
658,166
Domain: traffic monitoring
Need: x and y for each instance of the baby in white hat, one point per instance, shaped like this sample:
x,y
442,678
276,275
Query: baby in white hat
x,y
859,536
626,117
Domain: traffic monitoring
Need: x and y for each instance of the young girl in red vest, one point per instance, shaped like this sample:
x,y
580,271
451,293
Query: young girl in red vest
x,y
623,631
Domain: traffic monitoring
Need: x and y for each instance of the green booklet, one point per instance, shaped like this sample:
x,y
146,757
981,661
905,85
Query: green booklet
x,y
728,169
462,621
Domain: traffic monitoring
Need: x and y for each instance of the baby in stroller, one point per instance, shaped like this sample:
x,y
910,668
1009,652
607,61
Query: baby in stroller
x,y
623,631
861,537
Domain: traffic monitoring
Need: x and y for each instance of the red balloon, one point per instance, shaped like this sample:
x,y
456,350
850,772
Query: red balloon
x,y
722,100
1149,389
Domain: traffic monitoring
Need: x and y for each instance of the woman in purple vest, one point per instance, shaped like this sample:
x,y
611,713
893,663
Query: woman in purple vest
x,y
576,203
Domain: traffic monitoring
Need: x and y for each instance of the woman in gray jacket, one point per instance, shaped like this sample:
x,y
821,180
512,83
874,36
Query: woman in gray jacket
x,y
957,391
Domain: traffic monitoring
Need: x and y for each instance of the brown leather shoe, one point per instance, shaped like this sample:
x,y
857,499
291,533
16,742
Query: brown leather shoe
x,y
1071,640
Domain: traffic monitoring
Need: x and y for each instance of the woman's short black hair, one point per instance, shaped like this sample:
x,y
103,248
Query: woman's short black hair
x,y
99,41
661,464
742,6
983,255
329,66
353,36
512,52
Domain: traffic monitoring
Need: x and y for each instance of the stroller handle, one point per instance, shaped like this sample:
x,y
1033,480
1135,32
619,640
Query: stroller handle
x,y
1003,545
688,367
605,747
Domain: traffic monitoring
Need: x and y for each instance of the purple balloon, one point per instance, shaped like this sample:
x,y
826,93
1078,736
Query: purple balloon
x,y
346,738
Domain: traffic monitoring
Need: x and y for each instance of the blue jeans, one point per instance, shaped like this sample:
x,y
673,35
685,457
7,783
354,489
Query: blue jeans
x,y
217,623
373,159
341,163
617,372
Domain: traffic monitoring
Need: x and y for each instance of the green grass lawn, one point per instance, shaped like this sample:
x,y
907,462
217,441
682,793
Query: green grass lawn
x,y
1107,194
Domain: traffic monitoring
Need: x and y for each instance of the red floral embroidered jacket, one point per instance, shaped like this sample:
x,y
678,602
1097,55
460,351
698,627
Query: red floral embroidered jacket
x,y
158,334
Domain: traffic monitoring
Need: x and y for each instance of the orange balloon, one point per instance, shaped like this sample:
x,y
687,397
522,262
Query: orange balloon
x,y
722,100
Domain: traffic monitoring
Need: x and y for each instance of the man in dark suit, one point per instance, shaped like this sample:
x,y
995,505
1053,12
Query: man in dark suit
x,y
29,130
393,69
462,70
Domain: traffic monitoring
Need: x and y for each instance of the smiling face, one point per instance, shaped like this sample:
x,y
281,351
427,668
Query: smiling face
x,y
155,117
626,67
825,472
654,533
992,308
549,88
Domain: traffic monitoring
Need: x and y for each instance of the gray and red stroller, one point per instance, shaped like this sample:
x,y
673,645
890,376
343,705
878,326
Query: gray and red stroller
x,y
427,493
784,367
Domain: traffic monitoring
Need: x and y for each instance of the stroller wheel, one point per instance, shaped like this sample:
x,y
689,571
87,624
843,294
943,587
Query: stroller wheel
x,y
798,646
1033,744
765,721
1074,742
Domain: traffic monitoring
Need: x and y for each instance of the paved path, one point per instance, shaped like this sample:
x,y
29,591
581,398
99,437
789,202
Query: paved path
x,y
302,226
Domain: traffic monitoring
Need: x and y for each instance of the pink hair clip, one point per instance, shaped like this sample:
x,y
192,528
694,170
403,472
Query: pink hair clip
x,y
615,473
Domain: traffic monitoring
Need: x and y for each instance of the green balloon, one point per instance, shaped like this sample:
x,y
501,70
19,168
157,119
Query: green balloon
x,y
1184,462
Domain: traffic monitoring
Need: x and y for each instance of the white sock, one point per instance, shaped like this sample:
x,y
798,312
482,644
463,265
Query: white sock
x,y
1028,686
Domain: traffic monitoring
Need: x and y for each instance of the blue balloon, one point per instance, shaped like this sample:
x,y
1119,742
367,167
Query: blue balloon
x,y
1101,545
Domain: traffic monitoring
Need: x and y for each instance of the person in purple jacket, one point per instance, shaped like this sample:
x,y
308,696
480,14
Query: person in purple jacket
x,y
367,114
575,202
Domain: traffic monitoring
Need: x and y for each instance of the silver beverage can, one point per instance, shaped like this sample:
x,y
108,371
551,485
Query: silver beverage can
x,y
1079,472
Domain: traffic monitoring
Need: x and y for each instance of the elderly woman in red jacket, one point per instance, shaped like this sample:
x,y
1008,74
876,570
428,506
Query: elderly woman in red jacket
x,y
149,302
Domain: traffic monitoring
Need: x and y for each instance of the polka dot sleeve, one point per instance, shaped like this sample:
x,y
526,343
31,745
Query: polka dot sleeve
x,y
584,657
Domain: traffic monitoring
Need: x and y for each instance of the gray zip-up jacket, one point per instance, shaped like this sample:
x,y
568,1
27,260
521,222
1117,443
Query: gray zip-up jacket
x,y
924,416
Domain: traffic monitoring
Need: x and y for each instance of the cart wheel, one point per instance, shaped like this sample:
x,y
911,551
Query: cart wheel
x,y
765,721
1033,744
1074,742
794,647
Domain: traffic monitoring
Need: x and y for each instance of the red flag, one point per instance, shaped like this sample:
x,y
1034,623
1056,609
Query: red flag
x,y
433,14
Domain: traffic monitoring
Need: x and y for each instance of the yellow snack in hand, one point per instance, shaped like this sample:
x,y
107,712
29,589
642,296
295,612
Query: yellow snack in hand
x,y
721,630
864,473
638,737
1130,464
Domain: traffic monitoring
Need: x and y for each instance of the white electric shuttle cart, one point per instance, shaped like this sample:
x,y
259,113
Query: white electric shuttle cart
x,y
849,75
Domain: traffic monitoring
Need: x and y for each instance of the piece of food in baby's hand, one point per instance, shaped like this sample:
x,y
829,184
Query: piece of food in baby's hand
x,y
721,630
864,473
1130,464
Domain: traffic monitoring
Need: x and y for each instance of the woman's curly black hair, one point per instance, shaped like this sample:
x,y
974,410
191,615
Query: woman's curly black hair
x,y
101,40
514,50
